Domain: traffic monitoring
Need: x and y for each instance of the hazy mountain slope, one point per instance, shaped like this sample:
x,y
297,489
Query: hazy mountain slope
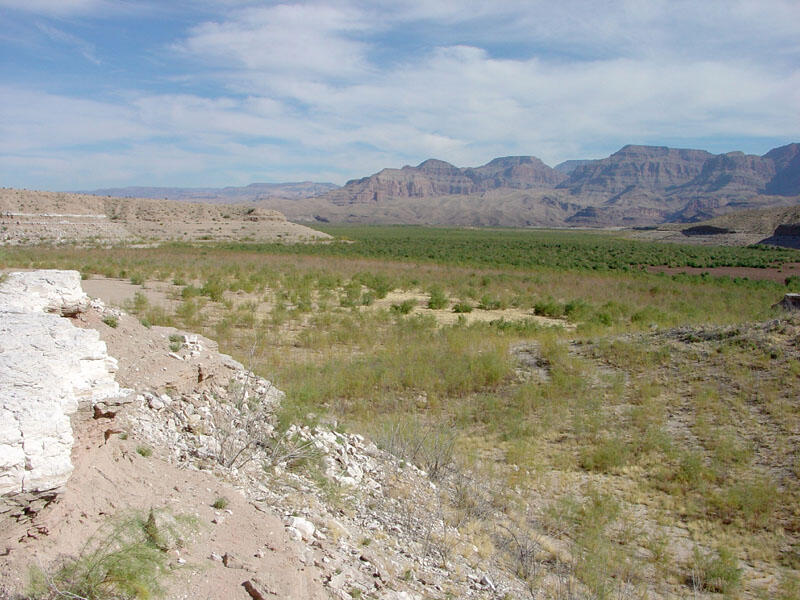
x,y
787,164
638,185
434,178
640,168
231,194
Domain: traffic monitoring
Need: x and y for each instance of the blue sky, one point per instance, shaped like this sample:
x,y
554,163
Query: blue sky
x,y
99,93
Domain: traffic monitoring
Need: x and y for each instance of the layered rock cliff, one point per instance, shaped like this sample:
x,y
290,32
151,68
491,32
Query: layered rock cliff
x,y
48,368
434,178
637,185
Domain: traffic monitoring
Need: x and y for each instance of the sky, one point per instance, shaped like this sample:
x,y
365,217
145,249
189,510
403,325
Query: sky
x,y
102,93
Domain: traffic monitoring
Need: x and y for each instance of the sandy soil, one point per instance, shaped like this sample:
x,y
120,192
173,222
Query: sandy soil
x,y
110,478
119,292
102,470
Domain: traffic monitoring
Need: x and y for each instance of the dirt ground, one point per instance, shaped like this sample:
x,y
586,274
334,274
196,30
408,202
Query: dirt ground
x,y
119,292
112,478
257,539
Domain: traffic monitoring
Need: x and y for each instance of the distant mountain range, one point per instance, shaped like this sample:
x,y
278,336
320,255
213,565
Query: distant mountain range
x,y
635,186
227,195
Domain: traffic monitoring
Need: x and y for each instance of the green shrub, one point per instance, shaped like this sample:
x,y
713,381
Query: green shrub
x,y
462,307
405,307
752,502
220,503
145,451
576,309
548,308
602,318
380,284
437,299
138,304
605,456
715,572
111,321
214,289
351,294
489,303
190,291
691,469
793,283
127,558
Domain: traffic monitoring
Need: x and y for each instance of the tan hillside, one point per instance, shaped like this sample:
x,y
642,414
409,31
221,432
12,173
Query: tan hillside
x,y
35,216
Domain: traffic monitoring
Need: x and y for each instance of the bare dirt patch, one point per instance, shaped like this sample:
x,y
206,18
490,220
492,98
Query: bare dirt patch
x,y
93,495
119,292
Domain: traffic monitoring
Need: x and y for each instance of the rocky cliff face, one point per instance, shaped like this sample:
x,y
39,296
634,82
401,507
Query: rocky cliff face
x,y
47,369
434,178
732,174
786,181
638,185
641,168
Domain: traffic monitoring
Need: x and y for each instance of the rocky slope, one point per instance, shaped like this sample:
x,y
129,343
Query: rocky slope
x,y
311,513
640,168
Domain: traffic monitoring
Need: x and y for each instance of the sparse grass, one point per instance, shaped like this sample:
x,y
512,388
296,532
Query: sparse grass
x,y
144,451
175,342
126,558
437,299
715,571
690,426
405,307
111,321
462,307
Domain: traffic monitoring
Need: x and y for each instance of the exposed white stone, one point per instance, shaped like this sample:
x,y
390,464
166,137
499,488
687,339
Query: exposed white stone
x,y
303,526
42,291
48,368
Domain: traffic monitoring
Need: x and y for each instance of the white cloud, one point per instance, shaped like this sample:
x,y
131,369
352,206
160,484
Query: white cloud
x,y
310,40
36,121
305,90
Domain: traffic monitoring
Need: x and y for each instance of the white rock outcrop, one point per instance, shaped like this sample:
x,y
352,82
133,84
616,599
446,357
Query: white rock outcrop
x,y
48,368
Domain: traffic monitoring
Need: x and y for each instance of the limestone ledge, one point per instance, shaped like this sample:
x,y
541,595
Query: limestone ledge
x,y
48,369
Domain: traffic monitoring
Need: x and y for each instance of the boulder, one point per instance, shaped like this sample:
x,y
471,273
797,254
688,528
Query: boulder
x,y
48,369
789,302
